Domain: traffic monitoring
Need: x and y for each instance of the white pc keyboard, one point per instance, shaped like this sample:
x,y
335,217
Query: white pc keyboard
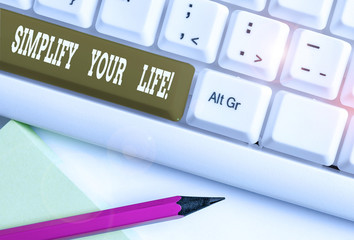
x,y
270,107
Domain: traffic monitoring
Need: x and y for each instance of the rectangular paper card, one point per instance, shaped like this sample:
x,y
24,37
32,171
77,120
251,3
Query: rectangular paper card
x,y
32,188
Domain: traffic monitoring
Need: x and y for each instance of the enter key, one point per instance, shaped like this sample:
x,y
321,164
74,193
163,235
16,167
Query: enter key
x,y
229,105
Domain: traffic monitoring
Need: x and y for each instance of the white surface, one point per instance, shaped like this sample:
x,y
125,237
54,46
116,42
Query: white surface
x,y
76,12
229,105
134,21
313,13
257,5
304,128
346,158
249,47
315,63
140,135
23,4
112,179
184,30
347,95
342,23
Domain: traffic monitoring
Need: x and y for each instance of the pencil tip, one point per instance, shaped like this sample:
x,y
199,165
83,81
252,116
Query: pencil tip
x,y
192,204
216,199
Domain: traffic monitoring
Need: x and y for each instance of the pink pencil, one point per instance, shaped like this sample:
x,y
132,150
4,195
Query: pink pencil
x,y
111,219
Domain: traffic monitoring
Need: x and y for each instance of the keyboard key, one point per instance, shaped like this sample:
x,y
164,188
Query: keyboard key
x,y
76,12
229,106
253,45
312,13
346,157
256,5
94,66
304,128
134,21
23,4
343,19
315,64
238,165
185,33
347,96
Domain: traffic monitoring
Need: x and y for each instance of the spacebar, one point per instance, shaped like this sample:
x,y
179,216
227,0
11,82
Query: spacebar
x,y
311,186
93,66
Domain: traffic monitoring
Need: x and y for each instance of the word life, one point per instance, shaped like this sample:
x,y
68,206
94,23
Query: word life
x,y
158,77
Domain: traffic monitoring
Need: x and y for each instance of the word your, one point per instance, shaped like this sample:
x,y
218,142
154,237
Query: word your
x,y
107,65
42,47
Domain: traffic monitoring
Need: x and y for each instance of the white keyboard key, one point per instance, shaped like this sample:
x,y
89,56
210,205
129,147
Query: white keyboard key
x,y
304,128
253,45
311,13
229,106
347,96
238,165
256,5
135,21
23,4
315,64
76,12
190,32
346,157
343,19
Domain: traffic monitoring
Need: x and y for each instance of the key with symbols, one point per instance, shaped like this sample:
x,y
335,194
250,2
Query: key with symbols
x,y
185,33
249,48
76,12
315,64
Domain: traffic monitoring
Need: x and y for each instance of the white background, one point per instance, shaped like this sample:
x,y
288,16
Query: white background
x,y
112,179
